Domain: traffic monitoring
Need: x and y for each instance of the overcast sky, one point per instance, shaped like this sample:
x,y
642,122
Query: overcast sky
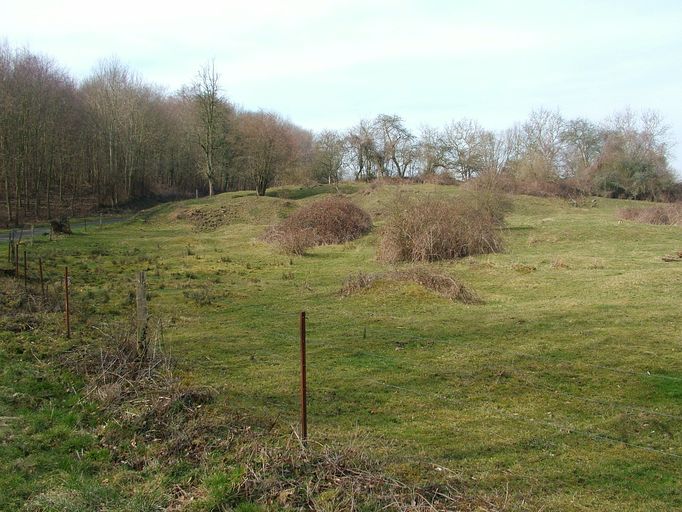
x,y
327,64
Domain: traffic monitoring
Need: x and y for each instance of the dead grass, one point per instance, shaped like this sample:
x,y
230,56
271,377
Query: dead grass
x,y
523,268
442,284
428,228
339,478
673,257
333,220
559,263
670,214
21,309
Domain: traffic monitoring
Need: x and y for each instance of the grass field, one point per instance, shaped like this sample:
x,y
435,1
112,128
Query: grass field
x,y
561,391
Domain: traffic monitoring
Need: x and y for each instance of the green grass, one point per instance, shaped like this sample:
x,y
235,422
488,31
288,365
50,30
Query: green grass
x,y
563,388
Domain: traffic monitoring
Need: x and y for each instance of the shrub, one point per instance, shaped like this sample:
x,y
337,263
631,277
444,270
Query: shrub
x,y
333,220
430,228
660,215
487,196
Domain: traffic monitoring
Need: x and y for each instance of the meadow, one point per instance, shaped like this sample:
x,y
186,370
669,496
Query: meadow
x,y
561,390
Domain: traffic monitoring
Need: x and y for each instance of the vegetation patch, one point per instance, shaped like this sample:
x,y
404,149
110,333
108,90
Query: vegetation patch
x,y
673,257
333,220
238,210
442,284
420,229
669,214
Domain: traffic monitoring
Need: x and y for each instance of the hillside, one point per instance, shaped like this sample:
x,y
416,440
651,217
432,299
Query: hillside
x,y
561,389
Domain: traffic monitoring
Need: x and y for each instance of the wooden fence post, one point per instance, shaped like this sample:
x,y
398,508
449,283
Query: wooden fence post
x,y
67,311
25,270
42,281
142,313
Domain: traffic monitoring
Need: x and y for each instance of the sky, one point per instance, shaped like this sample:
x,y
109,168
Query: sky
x,y
328,64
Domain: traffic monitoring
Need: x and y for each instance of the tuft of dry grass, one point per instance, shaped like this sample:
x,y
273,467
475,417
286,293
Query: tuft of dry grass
x,y
333,220
355,283
422,229
116,370
442,284
670,214
523,268
677,256
559,263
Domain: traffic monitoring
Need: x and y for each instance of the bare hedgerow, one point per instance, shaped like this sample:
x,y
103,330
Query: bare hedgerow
x,y
429,228
333,220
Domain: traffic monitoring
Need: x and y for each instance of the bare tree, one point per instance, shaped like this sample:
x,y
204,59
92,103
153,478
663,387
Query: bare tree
x,y
328,163
634,161
464,143
211,111
542,137
395,150
431,151
582,143
361,151
266,148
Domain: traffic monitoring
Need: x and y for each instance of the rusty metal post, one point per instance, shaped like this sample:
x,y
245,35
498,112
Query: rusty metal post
x,y
42,281
67,311
304,390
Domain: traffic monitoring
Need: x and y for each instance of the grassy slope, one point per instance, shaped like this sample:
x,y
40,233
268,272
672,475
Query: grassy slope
x,y
537,390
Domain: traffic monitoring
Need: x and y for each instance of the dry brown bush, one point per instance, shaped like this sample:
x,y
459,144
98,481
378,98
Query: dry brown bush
x,y
116,370
333,220
670,214
439,178
429,228
357,282
442,284
487,195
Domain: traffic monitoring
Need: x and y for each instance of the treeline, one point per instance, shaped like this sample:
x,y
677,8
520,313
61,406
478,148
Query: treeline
x,y
625,156
111,139
68,147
